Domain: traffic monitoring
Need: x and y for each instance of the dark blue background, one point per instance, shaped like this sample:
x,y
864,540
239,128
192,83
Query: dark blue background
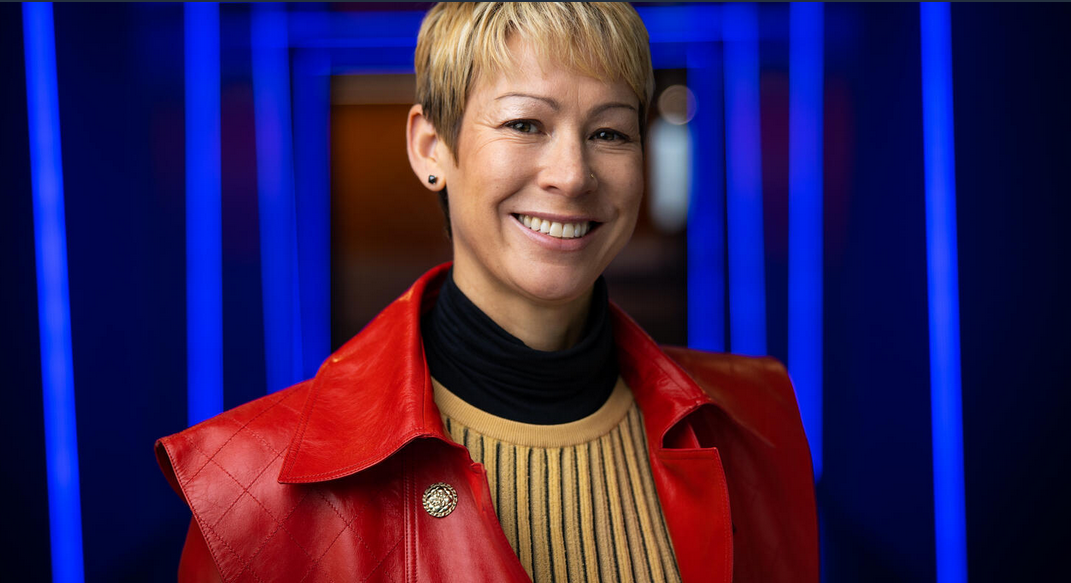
x,y
120,71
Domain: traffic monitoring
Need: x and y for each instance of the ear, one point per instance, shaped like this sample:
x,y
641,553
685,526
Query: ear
x,y
422,143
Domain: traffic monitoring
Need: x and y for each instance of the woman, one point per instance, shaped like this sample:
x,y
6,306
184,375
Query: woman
x,y
502,420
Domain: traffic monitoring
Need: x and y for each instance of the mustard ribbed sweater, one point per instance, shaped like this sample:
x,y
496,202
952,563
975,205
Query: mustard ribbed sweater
x,y
576,501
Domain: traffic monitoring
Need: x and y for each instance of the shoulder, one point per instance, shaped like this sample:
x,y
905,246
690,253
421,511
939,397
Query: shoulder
x,y
225,469
761,371
242,441
737,378
756,392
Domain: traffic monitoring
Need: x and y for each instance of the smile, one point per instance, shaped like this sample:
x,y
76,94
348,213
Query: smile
x,y
558,230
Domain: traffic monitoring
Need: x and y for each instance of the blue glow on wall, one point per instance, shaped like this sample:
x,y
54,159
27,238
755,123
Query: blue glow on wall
x,y
943,291
692,23
53,296
312,120
743,179
363,42
335,30
275,182
706,204
383,42
805,218
204,262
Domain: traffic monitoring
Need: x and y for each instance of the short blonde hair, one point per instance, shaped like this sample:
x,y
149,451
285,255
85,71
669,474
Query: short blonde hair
x,y
459,41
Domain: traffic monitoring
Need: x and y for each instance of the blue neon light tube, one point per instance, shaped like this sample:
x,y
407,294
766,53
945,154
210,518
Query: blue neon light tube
x,y
275,182
204,262
943,289
743,178
706,205
312,171
805,218
53,297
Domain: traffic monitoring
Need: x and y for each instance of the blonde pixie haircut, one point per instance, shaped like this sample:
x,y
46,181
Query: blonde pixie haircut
x,y
460,41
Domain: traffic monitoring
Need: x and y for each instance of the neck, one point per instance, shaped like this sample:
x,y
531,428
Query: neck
x,y
546,326
493,370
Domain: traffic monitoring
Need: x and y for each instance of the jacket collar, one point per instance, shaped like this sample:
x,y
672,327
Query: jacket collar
x,y
374,395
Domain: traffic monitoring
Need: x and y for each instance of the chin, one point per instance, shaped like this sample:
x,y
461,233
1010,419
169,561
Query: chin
x,y
555,284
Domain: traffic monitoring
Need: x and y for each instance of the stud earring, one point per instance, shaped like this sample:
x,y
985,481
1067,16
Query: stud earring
x,y
432,179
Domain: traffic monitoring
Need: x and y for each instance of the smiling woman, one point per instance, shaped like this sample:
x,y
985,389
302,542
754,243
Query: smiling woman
x,y
502,420
536,140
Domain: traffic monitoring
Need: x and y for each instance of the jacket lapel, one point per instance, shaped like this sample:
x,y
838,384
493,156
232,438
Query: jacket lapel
x,y
371,397
690,480
373,400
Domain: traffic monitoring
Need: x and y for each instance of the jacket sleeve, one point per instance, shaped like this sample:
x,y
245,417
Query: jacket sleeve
x,y
196,565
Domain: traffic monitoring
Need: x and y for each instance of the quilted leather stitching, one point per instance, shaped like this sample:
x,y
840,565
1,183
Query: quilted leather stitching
x,y
348,524
296,412
281,524
263,440
286,395
265,542
245,488
247,563
213,532
381,561
279,453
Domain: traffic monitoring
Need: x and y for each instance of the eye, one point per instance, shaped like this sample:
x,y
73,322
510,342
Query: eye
x,y
608,135
524,126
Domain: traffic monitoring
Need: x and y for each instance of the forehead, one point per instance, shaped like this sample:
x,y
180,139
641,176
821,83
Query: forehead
x,y
529,71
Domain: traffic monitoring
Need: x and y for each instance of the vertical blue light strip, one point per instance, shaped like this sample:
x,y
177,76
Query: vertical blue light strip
x,y
204,262
943,287
805,218
53,297
706,205
275,182
743,178
312,170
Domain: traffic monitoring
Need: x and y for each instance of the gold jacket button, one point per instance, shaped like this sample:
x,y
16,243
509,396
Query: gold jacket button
x,y
440,499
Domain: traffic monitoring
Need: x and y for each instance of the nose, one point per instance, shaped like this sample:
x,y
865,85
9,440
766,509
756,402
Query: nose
x,y
565,168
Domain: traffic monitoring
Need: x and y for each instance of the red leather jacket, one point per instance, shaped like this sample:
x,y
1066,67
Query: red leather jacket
x,y
323,481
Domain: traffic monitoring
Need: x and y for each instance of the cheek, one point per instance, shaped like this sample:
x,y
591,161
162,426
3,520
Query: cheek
x,y
629,184
492,172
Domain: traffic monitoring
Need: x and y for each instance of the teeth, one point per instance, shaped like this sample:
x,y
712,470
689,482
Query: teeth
x,y
557,230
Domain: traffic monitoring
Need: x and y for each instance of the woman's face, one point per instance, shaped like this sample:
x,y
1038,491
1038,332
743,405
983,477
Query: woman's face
x,y
545,144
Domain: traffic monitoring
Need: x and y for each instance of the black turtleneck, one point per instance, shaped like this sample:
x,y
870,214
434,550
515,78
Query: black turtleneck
x,y
489,368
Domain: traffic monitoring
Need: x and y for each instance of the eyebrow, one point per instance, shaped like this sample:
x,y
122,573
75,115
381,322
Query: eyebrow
x,y
556,106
